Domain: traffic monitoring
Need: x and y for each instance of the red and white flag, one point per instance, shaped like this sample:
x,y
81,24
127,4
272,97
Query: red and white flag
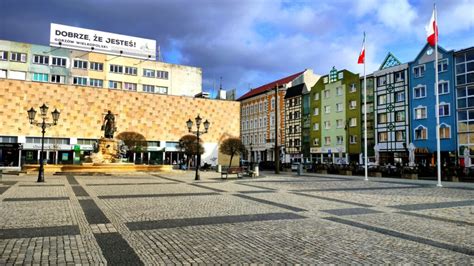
x,y
432,30
361,59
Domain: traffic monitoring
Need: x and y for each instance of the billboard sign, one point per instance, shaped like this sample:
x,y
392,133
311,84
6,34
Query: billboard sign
x,y
101,41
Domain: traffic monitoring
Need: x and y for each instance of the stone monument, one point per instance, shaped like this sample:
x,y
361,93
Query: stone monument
x,y
109,150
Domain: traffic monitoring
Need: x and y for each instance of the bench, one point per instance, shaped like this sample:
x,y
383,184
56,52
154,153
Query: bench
x,y
232,171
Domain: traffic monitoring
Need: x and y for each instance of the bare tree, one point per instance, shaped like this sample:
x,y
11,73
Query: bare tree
x,y
187,144
232,146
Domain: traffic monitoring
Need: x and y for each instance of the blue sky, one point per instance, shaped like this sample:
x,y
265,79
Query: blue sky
x,y
250,42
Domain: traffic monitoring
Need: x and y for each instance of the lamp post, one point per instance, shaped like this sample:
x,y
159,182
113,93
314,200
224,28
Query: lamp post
x,y
43,125
251,154
189,124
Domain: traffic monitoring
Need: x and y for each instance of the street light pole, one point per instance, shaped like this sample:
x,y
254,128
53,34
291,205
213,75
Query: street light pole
x,y
43,125
189,124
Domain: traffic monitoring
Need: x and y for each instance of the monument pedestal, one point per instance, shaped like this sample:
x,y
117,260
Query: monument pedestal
x,y
108,151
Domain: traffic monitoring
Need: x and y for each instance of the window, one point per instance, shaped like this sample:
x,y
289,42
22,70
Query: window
x,y
41,59
290,116
18,57
382,118
339,123
400,135
58,61
316,96
162,90
442,65
80,64
419,92
339,140
420,113
96,83
3,73
443,87
97,66
162,74
116,69
3,55
316,127
58,79
400,116
316,142
327,94
273,103
383,137
82,81
382,99
40,77
316,111
352,122
327,140
325,80
327,109
297,115
115,84
130,71
290,143
419,71
338,107
340,75
444,131
353,88
421,133
400,96
352,105
327,124
339,91
399,76
353,139
444,109
148,88
130,86
381,81
19,75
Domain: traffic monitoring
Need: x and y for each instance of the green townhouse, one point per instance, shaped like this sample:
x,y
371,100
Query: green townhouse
x,y
335,102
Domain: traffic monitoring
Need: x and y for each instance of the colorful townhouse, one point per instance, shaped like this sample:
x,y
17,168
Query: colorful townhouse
x,y
392,125
464,84
293,123
257,115
336,118
422,99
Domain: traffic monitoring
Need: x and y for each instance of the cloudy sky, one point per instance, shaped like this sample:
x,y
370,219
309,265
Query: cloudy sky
x,y
252,42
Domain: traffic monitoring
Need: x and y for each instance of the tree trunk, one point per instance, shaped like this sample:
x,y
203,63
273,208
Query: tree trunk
x,y
230,163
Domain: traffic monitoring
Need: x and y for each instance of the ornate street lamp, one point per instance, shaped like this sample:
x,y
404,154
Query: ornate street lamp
x,y
189,124
43,125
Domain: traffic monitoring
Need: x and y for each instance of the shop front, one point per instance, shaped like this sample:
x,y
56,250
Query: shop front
x,y
9,154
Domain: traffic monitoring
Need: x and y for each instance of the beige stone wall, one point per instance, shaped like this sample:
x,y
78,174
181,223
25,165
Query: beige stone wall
x,y
156,117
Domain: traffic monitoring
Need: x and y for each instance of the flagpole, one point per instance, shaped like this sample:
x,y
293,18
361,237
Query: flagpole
x,y
366,178
438,141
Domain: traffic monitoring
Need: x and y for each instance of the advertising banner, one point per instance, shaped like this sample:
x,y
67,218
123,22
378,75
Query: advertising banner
x,y
102,42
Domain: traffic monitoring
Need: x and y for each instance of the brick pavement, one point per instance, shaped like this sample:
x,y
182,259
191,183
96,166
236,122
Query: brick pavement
x,y
168,218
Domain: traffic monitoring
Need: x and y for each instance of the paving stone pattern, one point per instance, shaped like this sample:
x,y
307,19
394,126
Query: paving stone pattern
x,y
169,218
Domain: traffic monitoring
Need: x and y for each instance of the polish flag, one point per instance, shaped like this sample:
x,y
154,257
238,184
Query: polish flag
x,y
361,59
432,30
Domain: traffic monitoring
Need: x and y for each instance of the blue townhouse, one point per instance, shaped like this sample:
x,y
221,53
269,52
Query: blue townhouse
x,y
423,105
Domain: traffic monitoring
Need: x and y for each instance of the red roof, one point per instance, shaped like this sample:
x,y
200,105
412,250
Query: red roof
x,y
269,86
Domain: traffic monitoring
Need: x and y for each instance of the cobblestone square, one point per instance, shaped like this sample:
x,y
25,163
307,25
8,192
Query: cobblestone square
x,y
169,218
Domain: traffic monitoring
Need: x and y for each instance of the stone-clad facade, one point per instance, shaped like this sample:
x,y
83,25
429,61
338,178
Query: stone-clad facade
x,y
159,118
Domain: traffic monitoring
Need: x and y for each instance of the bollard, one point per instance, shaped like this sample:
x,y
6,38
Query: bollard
x,y
300,169
219,168
256,171
1,172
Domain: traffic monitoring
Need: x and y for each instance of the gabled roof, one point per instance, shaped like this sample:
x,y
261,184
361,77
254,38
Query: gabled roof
x,y
269,86
389,61
295,91
440,50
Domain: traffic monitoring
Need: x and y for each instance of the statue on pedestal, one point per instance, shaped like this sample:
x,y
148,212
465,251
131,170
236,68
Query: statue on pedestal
x,y
108,126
